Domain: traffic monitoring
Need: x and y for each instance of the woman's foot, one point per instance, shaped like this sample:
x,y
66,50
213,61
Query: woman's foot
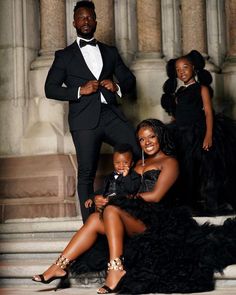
x,y
114,278
53,272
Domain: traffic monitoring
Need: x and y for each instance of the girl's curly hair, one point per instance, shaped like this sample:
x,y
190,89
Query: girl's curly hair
x,y
169,87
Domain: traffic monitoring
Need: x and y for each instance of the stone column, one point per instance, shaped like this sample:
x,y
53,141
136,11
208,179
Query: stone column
x,y
194,25
18,47
215,13
46,123
230,9
229,67
149,26
215,20
171,32
126,30
148,67
105,17
194,36
53,25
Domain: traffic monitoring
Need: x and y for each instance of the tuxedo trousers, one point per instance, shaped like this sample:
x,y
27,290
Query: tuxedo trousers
x,y
111,129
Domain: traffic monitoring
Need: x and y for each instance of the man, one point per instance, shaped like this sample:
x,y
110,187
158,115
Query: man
x,y
87,72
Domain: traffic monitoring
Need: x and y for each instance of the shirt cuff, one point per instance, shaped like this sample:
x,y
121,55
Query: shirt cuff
x,y
118,91
78,95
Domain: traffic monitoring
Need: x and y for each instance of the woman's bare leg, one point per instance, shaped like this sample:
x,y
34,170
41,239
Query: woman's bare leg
x,y
117,222
80,242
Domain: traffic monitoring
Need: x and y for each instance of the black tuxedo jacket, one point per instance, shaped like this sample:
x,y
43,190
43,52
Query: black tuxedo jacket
x,y
124,185
69,71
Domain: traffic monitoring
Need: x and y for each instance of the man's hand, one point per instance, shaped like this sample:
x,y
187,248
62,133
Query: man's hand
x,y
109,85
89,87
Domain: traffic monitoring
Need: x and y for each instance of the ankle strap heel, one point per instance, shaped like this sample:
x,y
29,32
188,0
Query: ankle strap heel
x,y
116,264
62,262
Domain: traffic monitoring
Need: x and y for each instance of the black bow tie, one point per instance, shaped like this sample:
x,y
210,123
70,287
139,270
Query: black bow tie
x,y
83,43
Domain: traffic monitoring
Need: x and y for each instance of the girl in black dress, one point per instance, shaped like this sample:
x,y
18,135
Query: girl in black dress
x,y
152,247
206,142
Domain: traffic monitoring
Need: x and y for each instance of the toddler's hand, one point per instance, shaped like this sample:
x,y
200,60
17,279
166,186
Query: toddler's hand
x,y
88,203
100,201
126,170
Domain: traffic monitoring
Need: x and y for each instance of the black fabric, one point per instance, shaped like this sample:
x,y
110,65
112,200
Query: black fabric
x,y
90,121
189,105
174,255
83,43
207,177
122,185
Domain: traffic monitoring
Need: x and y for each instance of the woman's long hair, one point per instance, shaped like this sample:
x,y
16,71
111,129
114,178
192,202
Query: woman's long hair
x,y
165,140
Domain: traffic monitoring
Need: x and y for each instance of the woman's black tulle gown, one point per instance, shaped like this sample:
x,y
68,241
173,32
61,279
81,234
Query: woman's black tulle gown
x,y
208,178
174,255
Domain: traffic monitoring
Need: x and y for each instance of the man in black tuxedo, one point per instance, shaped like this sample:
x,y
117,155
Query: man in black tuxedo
x,y
82,74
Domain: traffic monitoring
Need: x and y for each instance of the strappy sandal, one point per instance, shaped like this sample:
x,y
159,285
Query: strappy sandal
x,y
114,264
63,263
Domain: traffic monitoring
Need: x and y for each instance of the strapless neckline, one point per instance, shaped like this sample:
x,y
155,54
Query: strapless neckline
x,y
151,170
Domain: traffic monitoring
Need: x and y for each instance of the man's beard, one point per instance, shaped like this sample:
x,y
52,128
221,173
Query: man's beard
x,y
86,35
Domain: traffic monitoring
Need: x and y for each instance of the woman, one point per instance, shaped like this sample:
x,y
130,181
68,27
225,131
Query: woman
x,y
163,242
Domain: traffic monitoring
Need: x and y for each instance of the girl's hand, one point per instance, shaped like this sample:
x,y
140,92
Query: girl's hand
x,y
207,143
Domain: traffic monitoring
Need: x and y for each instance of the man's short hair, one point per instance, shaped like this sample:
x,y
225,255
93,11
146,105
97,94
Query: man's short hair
x,y
86,4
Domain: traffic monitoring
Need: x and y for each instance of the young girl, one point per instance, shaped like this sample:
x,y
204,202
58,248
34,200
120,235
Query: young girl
x,y
206,142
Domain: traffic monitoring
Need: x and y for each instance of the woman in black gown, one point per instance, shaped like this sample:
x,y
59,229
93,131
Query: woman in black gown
x,y
165,249
206,142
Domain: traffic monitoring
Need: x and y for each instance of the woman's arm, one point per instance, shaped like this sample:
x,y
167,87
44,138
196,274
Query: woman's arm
x,y
167,177
206,99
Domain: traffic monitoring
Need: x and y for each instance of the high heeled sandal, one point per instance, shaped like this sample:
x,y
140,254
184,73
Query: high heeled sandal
x,y
114,264
63,263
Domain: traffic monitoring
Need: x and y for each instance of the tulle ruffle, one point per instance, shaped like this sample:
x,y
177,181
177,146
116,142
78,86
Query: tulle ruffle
x,y
174,255
207,177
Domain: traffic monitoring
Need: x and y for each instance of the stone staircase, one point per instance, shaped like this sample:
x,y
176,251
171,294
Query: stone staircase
x,y
28,247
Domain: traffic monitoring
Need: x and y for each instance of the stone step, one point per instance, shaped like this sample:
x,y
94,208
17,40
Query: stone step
x,y
20,273
32,246
25,269
57,229
45,289
34,228
23,236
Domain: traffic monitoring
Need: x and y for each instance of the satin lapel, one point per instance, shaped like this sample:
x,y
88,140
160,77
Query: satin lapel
x,y
105,60
80,62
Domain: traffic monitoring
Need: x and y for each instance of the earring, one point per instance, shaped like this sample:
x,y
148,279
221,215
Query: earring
x,y
143,160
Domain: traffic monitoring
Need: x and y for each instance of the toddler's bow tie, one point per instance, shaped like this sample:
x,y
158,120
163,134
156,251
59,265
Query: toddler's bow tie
x,y
83,43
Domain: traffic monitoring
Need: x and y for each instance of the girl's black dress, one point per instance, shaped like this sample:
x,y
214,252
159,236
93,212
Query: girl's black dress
x,y
207,178
174,255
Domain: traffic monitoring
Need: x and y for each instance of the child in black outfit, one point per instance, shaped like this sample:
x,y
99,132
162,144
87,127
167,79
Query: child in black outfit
x,y
123,180
205,141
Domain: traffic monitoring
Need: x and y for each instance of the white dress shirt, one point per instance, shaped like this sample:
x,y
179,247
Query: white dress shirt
x,y
93,59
